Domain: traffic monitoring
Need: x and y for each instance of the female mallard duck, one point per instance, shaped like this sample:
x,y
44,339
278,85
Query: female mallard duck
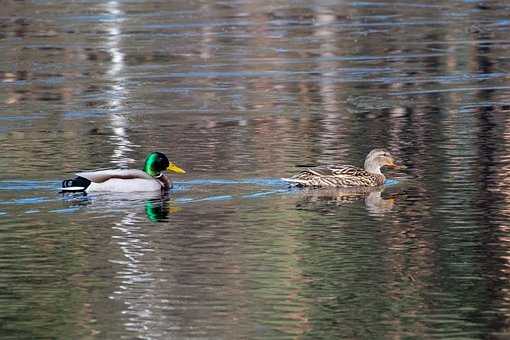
x,y
151,178
344,176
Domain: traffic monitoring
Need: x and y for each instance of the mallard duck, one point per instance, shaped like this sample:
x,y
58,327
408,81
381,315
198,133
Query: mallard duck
x,y
151,178
344,176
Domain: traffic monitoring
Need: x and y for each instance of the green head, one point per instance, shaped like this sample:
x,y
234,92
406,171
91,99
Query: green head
x,y
156,162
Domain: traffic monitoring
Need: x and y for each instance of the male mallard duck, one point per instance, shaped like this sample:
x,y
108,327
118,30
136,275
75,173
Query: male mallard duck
x,y
151,178
344,176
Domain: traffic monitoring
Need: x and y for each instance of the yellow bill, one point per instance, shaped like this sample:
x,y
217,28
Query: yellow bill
x,y
175,168
396,166
391,164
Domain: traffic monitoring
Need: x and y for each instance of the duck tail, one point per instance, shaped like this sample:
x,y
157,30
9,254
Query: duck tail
x,y
76,184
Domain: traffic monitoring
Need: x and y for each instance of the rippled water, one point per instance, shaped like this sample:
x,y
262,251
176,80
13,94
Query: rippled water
x,y
240,93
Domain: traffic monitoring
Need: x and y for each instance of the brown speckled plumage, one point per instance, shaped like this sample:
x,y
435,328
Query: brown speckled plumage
x,y
346,175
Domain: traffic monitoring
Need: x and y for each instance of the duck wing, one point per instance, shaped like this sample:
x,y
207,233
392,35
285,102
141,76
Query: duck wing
x,y
332,170
348,170
104,175
334,176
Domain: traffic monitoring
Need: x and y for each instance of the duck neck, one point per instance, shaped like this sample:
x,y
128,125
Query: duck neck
x,y
373,168
147,169
165,181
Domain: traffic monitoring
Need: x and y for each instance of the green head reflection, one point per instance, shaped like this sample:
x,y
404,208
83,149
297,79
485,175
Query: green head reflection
x,y
157,210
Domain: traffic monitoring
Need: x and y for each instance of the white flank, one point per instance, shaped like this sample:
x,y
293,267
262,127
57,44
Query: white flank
x,y
125,185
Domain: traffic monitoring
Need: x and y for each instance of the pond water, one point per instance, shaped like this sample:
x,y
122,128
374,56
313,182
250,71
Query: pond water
x,y
240,93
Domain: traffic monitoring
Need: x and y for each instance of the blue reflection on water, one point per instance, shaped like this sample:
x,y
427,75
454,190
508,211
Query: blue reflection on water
x,y
391,181
28,200
28,185
77,200
220,181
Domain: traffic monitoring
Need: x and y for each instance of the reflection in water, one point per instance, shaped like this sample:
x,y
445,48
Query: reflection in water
x,y
243,91
158,209
372,197
118,93
157,206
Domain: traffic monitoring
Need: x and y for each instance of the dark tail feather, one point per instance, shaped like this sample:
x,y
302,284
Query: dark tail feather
x,y
75,184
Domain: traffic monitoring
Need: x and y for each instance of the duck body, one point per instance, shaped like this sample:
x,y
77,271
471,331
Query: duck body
x,y
123,180
343,176
150,179
346,176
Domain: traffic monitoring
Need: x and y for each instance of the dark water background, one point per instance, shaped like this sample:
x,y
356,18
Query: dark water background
x,y
238,93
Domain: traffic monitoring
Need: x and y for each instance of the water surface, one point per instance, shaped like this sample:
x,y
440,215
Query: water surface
x,y
239,93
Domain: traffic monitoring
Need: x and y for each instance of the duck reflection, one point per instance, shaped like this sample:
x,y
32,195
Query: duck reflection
x,y
158,209
157,206
377,200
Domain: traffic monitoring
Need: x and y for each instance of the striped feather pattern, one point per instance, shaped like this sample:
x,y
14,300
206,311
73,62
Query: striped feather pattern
x,y
336,176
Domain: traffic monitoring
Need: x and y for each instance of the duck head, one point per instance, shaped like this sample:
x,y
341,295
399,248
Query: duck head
x,y
378,158
156,162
